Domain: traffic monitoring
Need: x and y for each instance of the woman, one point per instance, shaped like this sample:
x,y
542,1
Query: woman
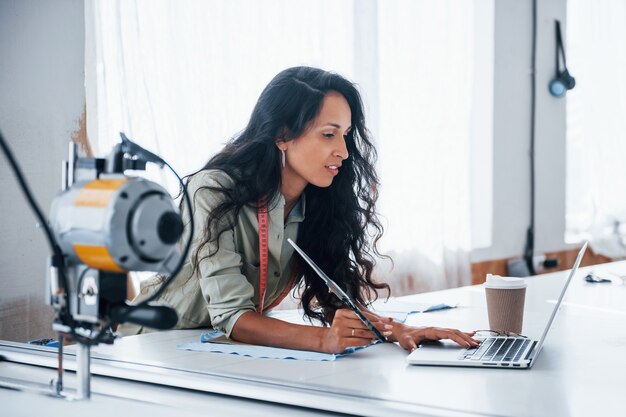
x,y
303,168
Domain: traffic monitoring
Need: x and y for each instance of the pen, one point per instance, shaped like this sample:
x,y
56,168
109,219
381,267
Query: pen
x,y
336,289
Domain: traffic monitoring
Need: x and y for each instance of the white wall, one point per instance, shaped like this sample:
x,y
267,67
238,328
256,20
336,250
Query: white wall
x,y
41,99
512,114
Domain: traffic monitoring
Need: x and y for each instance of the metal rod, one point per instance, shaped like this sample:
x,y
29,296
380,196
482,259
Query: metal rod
x,y
73,155
64,171
59,387
83,362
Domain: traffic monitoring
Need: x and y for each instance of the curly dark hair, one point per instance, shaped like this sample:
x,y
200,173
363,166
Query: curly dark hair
x,y
341,229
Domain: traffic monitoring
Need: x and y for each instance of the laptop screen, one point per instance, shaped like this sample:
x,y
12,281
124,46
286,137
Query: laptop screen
x,y
561,296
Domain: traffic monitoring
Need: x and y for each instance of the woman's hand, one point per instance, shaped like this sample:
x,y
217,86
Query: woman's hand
x,y
409,337
347,330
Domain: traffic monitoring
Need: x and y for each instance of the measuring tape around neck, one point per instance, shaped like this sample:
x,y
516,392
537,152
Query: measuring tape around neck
x,y
263,250
263,217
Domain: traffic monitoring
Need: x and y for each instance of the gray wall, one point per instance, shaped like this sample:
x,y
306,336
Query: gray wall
x,y
41,100
512,100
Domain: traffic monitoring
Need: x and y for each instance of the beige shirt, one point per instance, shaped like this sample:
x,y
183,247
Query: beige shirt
x,y
227,283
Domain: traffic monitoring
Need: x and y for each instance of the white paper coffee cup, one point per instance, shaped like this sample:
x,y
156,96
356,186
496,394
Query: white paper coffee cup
x,y
505,303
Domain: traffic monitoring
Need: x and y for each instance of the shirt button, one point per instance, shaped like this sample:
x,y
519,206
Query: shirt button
x,y
278,236
276,274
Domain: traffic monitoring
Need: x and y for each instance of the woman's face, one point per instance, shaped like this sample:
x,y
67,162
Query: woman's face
x,y
315,157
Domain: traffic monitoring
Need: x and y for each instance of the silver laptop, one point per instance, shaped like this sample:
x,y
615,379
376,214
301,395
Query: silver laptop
x,y
516,352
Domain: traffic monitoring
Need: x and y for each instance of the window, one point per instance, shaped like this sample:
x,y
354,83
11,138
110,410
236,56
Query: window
x,y
596,172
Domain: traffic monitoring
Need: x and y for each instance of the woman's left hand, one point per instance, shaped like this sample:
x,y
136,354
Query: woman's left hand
x,y
409,337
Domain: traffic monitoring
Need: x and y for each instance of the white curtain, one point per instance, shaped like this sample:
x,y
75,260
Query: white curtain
x,y
181,77
426,52
596,125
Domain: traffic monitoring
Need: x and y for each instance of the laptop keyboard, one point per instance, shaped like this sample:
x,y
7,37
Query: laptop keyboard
x,y
497,349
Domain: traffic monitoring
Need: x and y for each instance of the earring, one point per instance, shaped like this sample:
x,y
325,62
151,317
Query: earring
x,y
283,156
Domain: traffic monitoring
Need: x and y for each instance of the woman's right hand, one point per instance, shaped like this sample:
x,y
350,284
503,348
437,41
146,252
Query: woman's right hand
x,y
347,330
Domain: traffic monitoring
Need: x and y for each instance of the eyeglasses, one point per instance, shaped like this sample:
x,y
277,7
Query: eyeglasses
x,y
595,279
496,333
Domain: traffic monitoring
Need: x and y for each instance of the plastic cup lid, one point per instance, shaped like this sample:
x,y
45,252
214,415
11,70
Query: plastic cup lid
x,y
498,282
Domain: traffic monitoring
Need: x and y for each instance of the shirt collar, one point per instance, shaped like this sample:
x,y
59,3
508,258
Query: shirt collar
x,y
297,213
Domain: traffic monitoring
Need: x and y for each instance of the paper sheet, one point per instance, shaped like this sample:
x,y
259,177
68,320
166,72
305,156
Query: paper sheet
x,y
214,341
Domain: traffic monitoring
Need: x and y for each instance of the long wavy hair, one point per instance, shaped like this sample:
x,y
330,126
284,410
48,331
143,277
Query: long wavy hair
x,y
341,229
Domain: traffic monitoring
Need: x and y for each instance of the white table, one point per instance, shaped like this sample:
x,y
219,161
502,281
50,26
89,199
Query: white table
x,y
567,379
